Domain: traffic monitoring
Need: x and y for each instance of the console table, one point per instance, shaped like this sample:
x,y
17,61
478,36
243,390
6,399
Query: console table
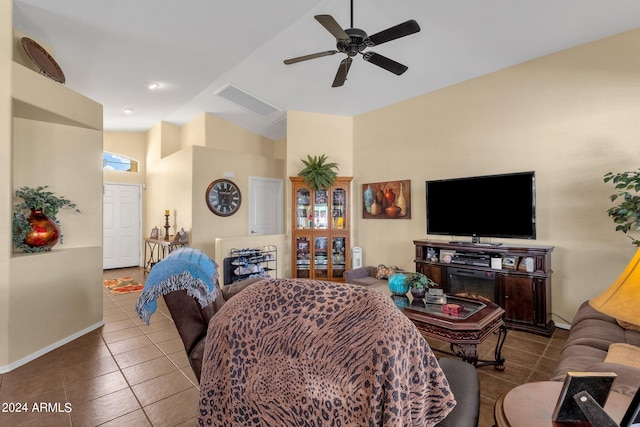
x,y
155,250
522,284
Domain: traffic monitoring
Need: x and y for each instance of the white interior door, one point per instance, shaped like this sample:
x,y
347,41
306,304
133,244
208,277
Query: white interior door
x,y
122,240
265,205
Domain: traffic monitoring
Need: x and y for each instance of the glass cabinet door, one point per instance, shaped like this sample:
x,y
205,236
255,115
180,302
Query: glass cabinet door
x,y
338,256
303,209
320,259
338,209
321,210
303,257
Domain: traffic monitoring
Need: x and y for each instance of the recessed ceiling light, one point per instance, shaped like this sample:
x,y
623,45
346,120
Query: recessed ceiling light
x,y
127,110
152,85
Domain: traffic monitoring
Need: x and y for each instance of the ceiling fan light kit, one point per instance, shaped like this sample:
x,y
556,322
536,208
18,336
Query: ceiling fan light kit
x,y
353,41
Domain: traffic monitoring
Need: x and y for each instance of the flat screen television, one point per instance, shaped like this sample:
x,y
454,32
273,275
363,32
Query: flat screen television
x,y
483,206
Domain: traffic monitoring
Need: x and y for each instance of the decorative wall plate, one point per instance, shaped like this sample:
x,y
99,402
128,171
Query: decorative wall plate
x,y
45,62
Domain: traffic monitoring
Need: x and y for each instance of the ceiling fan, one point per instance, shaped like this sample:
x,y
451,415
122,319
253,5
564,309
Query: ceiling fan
x,y
353,41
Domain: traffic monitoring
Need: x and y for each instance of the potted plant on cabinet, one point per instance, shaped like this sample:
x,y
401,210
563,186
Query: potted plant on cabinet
x,y
35,225
627,213
318,174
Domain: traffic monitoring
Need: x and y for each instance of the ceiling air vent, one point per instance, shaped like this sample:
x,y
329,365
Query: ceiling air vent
x,y
246,100
282,121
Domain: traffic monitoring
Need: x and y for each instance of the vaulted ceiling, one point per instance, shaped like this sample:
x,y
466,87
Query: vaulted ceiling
x,y
110,50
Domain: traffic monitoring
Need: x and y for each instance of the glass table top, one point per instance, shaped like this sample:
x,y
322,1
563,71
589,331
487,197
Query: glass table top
x,y
470,306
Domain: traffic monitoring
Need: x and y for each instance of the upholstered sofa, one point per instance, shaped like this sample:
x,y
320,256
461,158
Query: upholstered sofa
x,y
365,276
587,349
375,277
192,320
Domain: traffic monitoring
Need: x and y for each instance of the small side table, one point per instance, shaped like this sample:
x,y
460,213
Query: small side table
x,y
532,404
155,250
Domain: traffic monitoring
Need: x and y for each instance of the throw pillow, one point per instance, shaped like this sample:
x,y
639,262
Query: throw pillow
x,y
384,272
623,354
627,325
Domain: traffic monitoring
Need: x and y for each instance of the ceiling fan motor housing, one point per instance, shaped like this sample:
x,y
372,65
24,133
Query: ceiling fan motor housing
x,y
357,43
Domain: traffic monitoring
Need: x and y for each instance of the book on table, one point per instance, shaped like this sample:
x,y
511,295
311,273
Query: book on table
x,y
597,384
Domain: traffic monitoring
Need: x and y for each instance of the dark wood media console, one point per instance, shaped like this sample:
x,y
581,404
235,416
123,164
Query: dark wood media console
x,y
522,286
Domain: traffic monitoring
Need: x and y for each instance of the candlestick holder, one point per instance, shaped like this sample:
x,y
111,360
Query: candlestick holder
x,y
166,227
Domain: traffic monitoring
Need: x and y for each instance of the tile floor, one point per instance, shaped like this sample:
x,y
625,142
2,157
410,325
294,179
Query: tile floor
x,y
130,374
528,358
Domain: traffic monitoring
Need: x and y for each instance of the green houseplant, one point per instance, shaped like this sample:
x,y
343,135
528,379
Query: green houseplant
x,y
39,206
317,173
420,281
419,284
627,212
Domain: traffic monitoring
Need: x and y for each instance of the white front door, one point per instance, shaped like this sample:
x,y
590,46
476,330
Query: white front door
x,y
122,240
265,205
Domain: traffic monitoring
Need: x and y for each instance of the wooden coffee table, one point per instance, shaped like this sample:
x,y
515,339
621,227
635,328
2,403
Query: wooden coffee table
x,y
463,332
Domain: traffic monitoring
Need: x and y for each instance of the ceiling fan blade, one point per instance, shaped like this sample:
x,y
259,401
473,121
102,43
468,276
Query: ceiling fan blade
x,y
343,70
384,62
311,56
333,27
400,30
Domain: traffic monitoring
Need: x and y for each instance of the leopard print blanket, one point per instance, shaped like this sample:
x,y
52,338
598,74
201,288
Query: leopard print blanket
x,y
296,352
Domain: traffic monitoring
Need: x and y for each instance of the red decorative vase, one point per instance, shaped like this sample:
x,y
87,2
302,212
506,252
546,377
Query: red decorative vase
x,y
390,197
44,231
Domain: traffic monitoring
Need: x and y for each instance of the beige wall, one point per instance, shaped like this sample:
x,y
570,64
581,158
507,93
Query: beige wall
x,y
570,117
168,181
56,140
6,188
210,165
223,135
66,159
55,297
171,139
194,132
315,134
210,149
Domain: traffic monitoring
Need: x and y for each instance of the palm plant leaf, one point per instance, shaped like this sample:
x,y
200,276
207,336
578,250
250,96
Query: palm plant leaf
x,y
318,174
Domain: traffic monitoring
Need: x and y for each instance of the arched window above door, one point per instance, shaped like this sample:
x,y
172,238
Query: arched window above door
x,y
117,162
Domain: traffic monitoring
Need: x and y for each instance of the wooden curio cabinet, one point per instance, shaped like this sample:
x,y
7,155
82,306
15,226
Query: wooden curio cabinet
x,y
320,230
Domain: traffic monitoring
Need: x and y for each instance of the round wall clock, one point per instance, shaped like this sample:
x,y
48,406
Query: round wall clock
x,y
223,197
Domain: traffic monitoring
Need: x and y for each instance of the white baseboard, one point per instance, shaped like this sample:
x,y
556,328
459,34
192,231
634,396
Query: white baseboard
x,y
42,352
563,326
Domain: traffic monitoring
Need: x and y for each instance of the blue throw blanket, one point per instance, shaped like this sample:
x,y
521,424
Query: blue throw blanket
x,y
184,269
